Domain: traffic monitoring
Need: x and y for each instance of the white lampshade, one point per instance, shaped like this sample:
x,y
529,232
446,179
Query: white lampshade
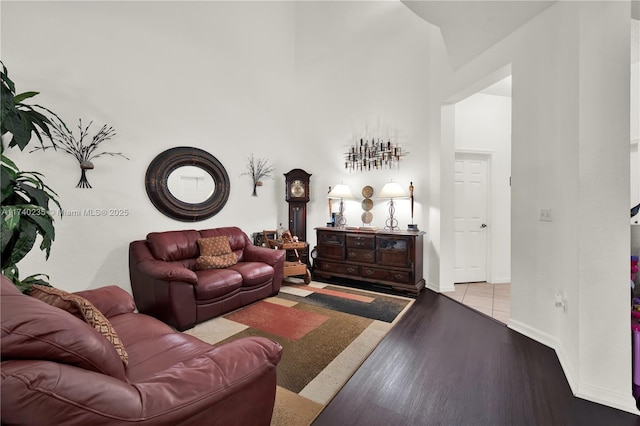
x,y
392,190
340,191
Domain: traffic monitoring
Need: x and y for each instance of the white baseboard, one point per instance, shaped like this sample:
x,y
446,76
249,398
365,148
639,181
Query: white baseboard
x,y
440,289
500,281
621,401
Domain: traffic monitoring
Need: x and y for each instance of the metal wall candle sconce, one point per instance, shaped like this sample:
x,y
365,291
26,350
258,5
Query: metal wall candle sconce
x,y
373,155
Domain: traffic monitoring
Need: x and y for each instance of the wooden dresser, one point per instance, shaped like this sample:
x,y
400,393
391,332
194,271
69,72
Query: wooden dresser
x,y
391,258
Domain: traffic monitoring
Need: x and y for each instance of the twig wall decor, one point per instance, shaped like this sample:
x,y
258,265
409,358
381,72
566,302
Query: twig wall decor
x,y
258,169
64,140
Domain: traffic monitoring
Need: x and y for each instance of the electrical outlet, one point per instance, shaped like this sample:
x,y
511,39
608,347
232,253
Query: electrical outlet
x,y
545,215
561,301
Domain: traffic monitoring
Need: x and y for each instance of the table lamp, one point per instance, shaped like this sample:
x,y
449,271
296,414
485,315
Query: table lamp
x,y
391,191
340,191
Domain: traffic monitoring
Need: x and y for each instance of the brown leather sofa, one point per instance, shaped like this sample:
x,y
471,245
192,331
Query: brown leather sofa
x,y
58,370
167,285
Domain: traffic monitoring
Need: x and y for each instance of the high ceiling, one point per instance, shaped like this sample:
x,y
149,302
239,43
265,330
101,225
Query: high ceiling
x,y
469,28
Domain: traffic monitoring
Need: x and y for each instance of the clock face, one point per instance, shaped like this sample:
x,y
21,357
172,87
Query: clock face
x,y
297,188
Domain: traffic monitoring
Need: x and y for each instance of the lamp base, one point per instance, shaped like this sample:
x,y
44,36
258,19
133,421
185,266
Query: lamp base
x,y
412,227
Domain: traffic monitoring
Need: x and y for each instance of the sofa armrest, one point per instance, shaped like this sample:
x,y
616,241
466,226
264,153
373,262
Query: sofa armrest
x,y
142,260
233,383
262,254
160,270
110,300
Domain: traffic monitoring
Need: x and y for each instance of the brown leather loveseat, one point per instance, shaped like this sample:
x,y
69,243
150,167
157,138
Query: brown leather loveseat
x,y
59,370
167,283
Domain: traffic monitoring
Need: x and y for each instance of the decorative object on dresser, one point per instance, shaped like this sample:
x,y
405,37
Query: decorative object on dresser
x,y
258,169
340,191
297,195
374,154
64,140
412,226
392,190
393,259
331,215
367,205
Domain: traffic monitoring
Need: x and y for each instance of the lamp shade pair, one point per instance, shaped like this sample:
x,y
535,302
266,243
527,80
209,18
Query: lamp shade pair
x,y
390,190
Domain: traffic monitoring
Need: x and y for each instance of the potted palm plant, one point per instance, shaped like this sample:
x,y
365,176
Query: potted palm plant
x,y
24,195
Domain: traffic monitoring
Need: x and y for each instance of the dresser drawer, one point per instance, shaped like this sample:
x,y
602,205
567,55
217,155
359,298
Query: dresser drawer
x,y
358,255
361,241
331,251
338,268
393,258
386,275
394,251
331,238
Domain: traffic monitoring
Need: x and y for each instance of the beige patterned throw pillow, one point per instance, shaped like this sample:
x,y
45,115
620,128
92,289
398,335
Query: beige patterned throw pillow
x,y
83,309
214,246
216,262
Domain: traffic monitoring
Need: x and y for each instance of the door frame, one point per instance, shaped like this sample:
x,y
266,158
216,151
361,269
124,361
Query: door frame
x,y
483,155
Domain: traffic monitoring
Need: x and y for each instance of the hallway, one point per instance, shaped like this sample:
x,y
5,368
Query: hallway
x,y
493,300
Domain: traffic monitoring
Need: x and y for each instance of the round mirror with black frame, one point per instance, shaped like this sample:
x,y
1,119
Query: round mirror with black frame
x,y
169,201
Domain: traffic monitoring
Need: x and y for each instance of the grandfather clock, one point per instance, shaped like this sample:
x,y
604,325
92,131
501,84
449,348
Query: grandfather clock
x,y
297,195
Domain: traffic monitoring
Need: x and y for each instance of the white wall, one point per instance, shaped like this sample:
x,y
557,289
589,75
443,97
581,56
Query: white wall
x,y
635,135
217,76
483,124
569,154
362,71
286,81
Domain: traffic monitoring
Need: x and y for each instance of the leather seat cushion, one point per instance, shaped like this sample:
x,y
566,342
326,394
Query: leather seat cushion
x,y
254,273
215,283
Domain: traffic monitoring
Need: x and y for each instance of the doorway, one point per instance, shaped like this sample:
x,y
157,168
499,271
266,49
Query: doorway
x,y
481,134
471,205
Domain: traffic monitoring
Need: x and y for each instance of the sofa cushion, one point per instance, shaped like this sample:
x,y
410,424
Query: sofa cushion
x,y
216,262
84,310
214,246
254,273
33,329
216,283
173,245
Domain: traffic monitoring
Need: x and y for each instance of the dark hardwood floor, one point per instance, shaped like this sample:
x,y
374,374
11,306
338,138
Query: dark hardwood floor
x,y
445,364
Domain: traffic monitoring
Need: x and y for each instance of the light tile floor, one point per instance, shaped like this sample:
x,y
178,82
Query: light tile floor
x,y
493,300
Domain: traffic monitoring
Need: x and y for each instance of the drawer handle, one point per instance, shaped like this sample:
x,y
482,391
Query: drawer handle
x,y
368,255
352,254
399,276
367,271
350,269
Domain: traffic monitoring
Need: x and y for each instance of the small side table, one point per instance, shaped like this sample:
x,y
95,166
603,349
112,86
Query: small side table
x,y
293,268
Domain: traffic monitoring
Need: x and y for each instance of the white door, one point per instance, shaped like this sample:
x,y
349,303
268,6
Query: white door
x,y
470,217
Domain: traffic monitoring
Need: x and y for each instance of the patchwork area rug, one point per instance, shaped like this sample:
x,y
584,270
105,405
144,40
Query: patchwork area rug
x,y
326,331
